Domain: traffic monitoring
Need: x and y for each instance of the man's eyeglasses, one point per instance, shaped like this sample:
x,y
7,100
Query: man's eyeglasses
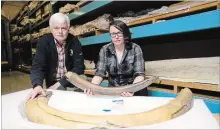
x,y
119,34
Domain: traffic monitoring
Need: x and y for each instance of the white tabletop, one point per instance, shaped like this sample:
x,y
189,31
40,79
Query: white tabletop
x,y
199,117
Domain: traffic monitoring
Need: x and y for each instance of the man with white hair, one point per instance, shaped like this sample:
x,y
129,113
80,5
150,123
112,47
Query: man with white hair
x,y
56,54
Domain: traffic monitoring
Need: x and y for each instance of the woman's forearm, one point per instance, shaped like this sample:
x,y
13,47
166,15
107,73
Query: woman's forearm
x,y
138,79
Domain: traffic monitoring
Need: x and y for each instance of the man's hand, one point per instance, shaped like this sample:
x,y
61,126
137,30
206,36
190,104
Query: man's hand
x,y
37,90
55,86
127,94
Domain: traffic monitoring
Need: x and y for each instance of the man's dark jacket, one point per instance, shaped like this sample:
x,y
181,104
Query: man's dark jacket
x,y
45,62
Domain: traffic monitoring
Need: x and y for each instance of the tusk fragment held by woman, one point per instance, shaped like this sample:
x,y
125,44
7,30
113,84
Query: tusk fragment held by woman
x,y
81,83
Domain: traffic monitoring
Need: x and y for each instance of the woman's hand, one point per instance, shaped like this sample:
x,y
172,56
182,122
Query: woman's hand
x,y
127,94
88,92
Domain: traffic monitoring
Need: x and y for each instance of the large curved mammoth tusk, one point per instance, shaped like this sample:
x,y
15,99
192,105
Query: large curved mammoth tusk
x,y
48,115
79,82
35,114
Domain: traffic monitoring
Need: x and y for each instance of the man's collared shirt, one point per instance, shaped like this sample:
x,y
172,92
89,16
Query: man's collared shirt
x,y
61,68
123,73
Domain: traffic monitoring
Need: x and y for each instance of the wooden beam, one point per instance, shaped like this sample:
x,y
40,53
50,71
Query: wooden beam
x,y
218,5
90,72
200,86
176,89
100,31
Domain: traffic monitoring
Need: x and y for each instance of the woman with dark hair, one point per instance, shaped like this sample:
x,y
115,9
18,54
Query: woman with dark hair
x,y
122,59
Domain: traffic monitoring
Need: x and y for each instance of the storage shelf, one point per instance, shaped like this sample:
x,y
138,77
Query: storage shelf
x,y
157,17
41,22
56,5
22,41
88,8
22,17
195,22
13,33
190,23
25,28
38,7
23,14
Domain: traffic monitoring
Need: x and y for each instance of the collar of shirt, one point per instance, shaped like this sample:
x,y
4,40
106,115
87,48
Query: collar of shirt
x,y
58,45
112,48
